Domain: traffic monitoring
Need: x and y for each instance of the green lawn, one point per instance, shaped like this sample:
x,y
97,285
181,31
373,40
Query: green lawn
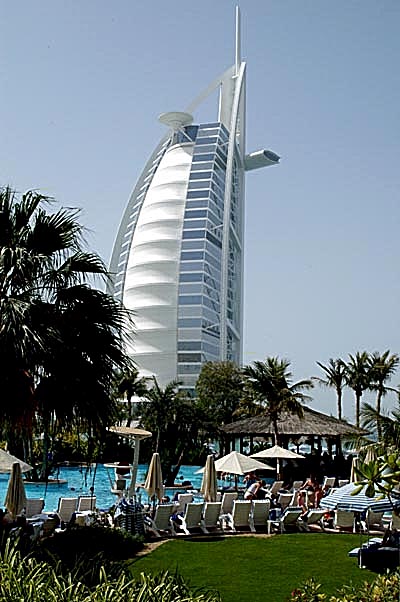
x,y
259,569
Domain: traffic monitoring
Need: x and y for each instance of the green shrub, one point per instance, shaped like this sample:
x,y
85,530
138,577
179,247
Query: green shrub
x,y
385,588
30,580
85,550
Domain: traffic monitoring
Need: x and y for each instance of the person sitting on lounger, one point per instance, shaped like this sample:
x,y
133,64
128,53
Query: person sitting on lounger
x,y
310,491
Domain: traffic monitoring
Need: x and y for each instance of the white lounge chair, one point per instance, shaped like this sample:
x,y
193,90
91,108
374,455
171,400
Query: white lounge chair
x,y
296,486
86,502
192,518
276,487
34,506
183,500
259,514
66,508
240,517
289,518
314,517
286,499
210,518
373,520
343,482
227,501
161,522
328,484
344,521
395,521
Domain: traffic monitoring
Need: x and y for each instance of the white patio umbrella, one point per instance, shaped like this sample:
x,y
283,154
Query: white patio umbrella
x,y
137,435
154,479
7,460
277,452
209,482
16,497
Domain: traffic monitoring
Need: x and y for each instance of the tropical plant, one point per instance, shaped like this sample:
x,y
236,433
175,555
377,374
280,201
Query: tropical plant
x,y
382,368
128,384
335,377
385,588
176,421
60,337
269,386
219,390
32,580
389,424
358,378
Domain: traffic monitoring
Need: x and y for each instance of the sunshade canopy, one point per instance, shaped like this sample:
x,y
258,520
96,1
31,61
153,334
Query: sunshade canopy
x,y
236,463
7,461
277,452
342,499
129,431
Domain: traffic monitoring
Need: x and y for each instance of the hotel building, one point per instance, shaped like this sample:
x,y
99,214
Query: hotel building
x,y
178,257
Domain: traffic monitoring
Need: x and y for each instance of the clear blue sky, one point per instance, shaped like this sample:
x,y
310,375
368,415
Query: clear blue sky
x,y
83,83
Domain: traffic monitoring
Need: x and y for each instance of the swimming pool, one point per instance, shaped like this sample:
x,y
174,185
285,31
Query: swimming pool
x,y
80,480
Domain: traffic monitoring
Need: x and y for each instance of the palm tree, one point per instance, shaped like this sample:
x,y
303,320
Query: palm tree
x,y
176,421
382,369
129,384
60,337
389,425
358,377
269,385
335,378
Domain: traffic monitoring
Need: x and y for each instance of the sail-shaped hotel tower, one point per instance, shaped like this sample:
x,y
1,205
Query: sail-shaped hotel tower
x,y
178,257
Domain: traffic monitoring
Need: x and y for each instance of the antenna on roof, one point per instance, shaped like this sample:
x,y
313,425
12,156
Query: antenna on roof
x,y
237,42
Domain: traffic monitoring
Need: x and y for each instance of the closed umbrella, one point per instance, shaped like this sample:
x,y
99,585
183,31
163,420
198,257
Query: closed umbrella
x,y
7,460
209,482
154,480
342,499
15,498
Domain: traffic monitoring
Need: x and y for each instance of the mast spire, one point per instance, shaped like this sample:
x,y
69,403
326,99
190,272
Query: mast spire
x,y
237,42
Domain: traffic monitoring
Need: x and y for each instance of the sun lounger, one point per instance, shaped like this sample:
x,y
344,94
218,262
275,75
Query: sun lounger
x,y
296,486
313,517
288,519
373,520
210,518
86,502
227,501
276,487
66,508
259,514
240,517
286,499
183,500
161,522
34,506
344,521
191,520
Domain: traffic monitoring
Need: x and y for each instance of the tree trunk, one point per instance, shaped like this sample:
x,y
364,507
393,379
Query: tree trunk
x,y
173,472
339,404
378,409
358,404
276,432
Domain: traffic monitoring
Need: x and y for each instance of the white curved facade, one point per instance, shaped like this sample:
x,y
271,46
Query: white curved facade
x,y
178,257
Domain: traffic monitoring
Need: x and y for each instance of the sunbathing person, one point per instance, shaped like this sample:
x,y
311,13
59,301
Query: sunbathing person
x,y
310,493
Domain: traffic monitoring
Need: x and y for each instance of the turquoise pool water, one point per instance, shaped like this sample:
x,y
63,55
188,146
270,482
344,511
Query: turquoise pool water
x,y
79,482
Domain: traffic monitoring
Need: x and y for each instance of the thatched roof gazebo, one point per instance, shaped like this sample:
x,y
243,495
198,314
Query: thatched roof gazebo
x,y
314,426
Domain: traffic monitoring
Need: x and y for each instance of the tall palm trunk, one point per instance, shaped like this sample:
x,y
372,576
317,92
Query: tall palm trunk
x,y
378,411
339,403
358,405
